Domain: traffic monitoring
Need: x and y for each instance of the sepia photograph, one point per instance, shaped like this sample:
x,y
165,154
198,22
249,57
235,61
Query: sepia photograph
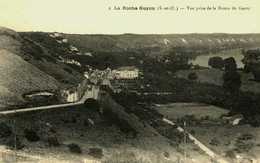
x,y
129,81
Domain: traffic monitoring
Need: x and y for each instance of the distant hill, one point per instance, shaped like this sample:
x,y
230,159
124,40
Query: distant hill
x,y
28,65
158,44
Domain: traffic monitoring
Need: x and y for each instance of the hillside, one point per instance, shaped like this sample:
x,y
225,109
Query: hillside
x,y
26,66
19,77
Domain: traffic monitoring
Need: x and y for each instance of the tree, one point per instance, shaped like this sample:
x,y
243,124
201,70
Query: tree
x,y
216,62
251,62
230,64
232,81
255,69
192,76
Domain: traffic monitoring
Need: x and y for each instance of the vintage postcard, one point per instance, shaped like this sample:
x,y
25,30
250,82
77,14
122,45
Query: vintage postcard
x,y
129,81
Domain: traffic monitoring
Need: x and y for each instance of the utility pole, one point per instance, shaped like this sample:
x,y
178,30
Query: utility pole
x,y
15,140
184,140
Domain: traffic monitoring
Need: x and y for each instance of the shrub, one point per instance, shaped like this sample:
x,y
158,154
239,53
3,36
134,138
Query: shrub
x,y
230,64
74,148
53,141
92,104
166,154
31,135
5,130
256,72
216,62
14,143
192,76
96,152
246,137
232,81
231,154
243,146
214,142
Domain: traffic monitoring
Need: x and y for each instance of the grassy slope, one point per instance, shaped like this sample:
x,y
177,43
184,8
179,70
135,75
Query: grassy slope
x,y
28,65
72,126
19,77
43,51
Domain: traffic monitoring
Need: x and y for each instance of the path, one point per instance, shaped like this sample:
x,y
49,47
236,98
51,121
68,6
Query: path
x,y
204,148
88,94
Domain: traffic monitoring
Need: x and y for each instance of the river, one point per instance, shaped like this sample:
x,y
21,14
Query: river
x,y
202,60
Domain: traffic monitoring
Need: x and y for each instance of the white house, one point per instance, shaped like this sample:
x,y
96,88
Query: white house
x,y
127,72
70,61
70,95
74,49
55,35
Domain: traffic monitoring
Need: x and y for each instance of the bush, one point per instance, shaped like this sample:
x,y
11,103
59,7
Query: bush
x,y
166,154
232,81
14,143
256,72
231,154
31,135
246,137
92,104
214,142
96,152
230,64
5,130
216,62
74,148
53,141
243,146
192,76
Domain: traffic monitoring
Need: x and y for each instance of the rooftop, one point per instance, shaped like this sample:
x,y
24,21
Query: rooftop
x,y
127,68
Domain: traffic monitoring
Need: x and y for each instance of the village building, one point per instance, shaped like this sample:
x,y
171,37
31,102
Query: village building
x,y
74,49
70,61
70,95
55,35
127,72
65,40
88,54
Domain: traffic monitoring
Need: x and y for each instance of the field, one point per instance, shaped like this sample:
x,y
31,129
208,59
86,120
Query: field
x,y
220,136
179,110
214,76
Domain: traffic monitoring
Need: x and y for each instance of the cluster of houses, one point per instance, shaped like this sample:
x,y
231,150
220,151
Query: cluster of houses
x,y
59,38
55,35
69,61
128,73
74,94
98,77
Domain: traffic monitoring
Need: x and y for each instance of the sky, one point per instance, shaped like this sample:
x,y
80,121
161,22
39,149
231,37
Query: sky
x,y
94,16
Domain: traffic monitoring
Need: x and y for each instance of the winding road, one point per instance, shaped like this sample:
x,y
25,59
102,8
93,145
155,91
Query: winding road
x,y
93,93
